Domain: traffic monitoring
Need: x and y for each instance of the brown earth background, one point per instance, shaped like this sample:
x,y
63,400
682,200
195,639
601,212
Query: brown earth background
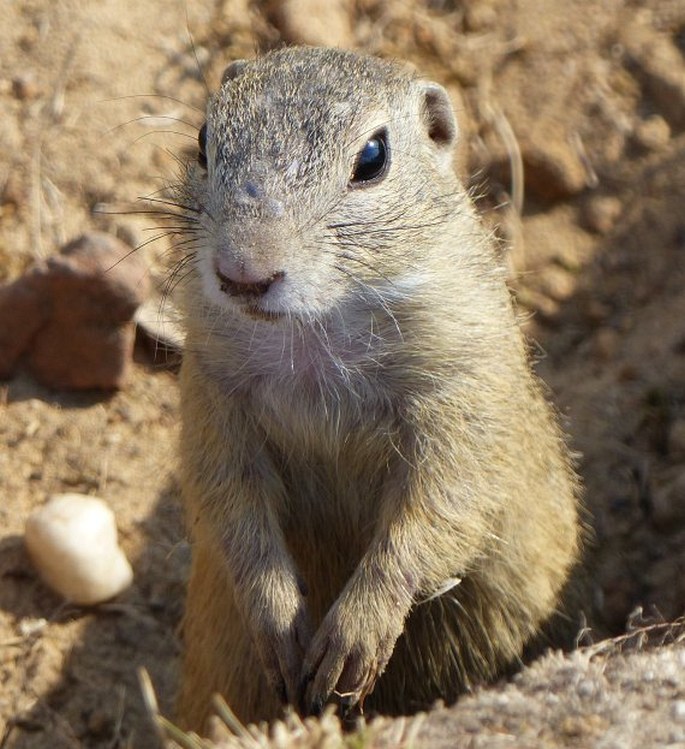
x,y
97,102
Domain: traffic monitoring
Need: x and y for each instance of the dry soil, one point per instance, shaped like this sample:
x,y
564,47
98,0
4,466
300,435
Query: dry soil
x,y
99,100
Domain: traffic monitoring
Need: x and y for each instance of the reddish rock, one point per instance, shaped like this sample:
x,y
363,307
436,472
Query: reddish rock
x,y
70,319
22,314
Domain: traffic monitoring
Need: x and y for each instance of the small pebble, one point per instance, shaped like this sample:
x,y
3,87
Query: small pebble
x,y
14,191
100,723
557,283
586,688
668,505
480,17
28,627
595,311
676,439
552,170
312,22
606,343
25,86
72,541
653,133
601,213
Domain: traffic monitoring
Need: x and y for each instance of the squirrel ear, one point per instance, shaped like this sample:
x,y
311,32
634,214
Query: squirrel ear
x,y
233,70
439,114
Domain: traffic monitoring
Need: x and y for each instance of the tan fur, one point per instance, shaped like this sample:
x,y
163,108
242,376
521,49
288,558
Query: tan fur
x,y
367,430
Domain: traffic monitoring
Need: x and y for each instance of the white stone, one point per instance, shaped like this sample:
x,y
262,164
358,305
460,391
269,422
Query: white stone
x,y
72,540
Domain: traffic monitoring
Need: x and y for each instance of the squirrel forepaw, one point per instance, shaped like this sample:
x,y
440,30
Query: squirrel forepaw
x,y
345,659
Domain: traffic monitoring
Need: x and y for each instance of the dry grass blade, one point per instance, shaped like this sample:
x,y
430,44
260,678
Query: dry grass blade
x,y
166,730
292,732
642,636
495,117
230,719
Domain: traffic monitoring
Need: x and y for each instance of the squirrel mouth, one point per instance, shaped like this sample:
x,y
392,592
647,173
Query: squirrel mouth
x,y
248,295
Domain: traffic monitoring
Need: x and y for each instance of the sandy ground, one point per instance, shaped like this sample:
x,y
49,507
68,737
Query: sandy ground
x,y
97,102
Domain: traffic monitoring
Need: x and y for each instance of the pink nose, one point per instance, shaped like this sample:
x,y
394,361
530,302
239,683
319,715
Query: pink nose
x,y
247,284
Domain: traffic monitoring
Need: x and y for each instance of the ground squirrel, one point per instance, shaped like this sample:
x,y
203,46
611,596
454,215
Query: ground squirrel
x,y
380,498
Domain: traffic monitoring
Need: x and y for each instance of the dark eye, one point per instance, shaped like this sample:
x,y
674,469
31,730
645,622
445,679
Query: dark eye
x,y
202,146
373,159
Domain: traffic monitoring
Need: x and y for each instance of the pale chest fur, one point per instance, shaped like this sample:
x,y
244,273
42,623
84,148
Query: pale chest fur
x,y
311,384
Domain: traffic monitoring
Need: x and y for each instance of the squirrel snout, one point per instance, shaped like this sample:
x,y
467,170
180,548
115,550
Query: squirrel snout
x,y
249,259
246,284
